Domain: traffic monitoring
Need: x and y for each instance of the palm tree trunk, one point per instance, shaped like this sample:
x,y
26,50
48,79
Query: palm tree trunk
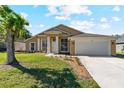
x,y
11,60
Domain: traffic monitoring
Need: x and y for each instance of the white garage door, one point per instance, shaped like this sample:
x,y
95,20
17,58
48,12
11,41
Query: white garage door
x,y
92,47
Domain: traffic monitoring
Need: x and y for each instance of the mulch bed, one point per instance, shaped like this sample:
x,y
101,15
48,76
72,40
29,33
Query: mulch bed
x,y
77,67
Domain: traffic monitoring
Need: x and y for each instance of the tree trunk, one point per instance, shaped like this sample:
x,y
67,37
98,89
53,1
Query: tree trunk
x,y
11,60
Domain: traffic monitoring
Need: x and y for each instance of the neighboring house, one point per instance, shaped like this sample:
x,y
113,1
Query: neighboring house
x,y
120,44
2,46
2,43
20,46
66,40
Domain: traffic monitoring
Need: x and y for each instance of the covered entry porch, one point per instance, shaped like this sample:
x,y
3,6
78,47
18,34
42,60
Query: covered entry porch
x,y
53,42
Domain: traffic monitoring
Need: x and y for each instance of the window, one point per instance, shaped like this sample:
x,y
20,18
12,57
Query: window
x,y
64,45
32,46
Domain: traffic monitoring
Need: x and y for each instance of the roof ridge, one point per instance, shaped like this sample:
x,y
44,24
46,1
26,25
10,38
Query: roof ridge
x,y
70,27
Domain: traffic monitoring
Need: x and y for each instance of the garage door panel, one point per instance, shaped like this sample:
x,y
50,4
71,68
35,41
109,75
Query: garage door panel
x,y
92,47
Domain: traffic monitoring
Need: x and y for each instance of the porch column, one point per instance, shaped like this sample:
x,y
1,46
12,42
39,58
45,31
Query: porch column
x,y
57,44
48,45
41,45
38,44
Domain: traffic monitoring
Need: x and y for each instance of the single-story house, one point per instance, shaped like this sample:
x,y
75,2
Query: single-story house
x,y
120,44
67,40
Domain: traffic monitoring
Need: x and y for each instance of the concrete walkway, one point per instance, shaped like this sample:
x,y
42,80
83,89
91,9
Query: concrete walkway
x,y
108,72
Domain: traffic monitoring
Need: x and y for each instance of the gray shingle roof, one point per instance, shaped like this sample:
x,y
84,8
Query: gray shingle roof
x,y
91,35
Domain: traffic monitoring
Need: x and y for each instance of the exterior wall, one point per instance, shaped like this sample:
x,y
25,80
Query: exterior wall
x,y
28,43
19,46
72,47
81,45
113,47
92,46
120,47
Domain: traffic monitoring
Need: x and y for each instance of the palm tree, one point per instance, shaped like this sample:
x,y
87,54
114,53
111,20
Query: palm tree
x,y
11,25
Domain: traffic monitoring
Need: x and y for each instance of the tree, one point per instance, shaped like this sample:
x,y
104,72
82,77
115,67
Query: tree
x,y
11,25
23,37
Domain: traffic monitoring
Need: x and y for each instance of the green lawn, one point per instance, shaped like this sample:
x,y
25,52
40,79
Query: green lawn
x,y
37,71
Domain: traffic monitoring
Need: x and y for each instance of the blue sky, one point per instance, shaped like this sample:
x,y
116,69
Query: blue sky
x,y
92,19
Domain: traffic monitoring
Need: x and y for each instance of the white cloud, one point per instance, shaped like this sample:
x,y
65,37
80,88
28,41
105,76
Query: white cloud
x,y
116,8
116,18
61,17
91,25
104,25
25,15
41,25
82,25
35,6
65,11
68,10
103,19
52,10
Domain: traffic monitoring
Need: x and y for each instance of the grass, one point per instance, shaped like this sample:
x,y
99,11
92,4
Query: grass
x,y
39,71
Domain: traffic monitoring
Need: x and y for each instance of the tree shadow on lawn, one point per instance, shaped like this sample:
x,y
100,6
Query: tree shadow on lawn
x,y
50,78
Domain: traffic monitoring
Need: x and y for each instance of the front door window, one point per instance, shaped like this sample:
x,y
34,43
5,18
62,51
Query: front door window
x,y
64,45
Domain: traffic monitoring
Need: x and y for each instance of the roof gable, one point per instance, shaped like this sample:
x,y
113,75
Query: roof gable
x,y
64,29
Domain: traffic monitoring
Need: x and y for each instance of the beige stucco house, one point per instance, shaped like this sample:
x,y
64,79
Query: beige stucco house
x,y
66,40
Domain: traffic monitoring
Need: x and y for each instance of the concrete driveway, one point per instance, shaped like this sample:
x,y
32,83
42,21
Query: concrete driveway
x,y
108,72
